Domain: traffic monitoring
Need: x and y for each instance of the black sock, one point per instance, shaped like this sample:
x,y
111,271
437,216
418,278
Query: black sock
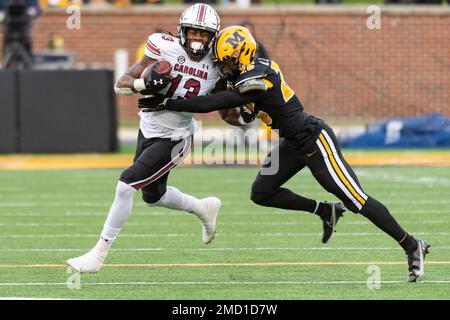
x,y
376,212
285,199
323,211
408,243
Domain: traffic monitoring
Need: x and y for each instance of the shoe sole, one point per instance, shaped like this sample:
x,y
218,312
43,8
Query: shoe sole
x,y
422,261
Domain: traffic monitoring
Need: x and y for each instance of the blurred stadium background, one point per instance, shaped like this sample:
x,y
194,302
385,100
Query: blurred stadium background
x,y
59,119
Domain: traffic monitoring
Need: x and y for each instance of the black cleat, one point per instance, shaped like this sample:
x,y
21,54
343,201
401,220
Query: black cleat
x,y
329,225
416,260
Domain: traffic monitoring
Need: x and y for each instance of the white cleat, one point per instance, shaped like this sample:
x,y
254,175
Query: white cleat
x,y
207,212
87,263
92,261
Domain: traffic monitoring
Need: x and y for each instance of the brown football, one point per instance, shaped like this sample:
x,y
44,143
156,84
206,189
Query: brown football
x,y
164,67
230,116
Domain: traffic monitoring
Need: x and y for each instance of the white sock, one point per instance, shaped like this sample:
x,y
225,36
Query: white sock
x,y
101,248
119,212
175,199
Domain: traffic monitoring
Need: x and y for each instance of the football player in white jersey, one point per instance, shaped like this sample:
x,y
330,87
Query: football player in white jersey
x,y
164,137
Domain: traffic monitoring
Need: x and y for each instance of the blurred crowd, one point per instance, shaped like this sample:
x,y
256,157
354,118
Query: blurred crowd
x,y
123,3
95,3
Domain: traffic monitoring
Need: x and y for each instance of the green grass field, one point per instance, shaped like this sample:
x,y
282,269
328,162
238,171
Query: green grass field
x,y
49,216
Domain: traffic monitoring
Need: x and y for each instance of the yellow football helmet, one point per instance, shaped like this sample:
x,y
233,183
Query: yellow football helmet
x,y
234,49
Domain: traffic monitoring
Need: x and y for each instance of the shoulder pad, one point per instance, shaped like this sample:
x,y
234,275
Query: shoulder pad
x,y
253,72
254,84
159,45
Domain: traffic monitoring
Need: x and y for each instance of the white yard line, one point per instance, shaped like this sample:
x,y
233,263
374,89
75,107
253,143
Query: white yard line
x,y
248,234
167,223
156,249
417,180
227,211
197,283
29,298
24,204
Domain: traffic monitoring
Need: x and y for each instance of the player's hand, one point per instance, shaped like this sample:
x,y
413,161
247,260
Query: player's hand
x,y
155,81
247,115
153,104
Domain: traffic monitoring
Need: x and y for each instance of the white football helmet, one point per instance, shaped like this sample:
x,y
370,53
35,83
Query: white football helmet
x,y
199,16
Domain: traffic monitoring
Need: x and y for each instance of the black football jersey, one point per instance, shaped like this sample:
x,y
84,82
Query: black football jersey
x,y
280,108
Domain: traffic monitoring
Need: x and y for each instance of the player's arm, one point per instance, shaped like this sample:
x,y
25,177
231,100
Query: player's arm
x,y
231,115
130,83
200,104
251,91
219,101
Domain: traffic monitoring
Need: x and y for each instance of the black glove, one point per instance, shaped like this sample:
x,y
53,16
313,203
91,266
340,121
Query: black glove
x,y
247,115
155,81
152,104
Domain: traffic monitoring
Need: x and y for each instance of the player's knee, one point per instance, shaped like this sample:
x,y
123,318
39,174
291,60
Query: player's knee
x,y
351,206
151,197
124,190
128,175
258,196
153,193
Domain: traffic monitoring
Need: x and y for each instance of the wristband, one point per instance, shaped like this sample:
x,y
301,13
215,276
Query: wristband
x,y
139,85
123,91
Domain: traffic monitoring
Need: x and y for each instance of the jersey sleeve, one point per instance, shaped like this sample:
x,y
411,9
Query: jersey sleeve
x,y
256,72
152,49
254,85
254,80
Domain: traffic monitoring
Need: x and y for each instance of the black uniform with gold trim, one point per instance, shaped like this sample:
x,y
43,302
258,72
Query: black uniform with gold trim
x,y
309,142
280,108
261,87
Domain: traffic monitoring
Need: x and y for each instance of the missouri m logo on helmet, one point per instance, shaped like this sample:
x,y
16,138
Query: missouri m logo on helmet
x,y
234,49
235,39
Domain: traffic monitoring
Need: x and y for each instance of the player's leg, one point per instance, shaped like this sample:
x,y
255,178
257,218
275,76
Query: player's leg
x,y
158,194
151,162
266,189
333,172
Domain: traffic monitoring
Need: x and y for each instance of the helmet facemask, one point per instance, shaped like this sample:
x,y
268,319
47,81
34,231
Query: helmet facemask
x,y
202,17
196,48
228,68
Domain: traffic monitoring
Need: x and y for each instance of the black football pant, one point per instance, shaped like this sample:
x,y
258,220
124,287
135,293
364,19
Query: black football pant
x,y
325,161
154,159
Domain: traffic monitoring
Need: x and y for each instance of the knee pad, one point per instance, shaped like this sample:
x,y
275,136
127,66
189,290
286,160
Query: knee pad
x,y
150,197
128,175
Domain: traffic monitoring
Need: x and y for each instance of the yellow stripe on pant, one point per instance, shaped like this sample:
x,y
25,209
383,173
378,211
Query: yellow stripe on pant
x,y
339,172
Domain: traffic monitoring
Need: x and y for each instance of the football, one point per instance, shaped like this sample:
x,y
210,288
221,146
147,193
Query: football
x,y
163,67
230,116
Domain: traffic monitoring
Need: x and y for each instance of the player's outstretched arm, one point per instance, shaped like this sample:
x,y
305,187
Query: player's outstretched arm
x,y
204,104
130,83
201,104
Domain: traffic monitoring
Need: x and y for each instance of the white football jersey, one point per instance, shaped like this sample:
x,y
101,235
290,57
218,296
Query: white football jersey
x,y
189,78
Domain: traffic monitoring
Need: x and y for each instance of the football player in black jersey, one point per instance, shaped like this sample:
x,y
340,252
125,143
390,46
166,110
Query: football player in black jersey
x,y
258,87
